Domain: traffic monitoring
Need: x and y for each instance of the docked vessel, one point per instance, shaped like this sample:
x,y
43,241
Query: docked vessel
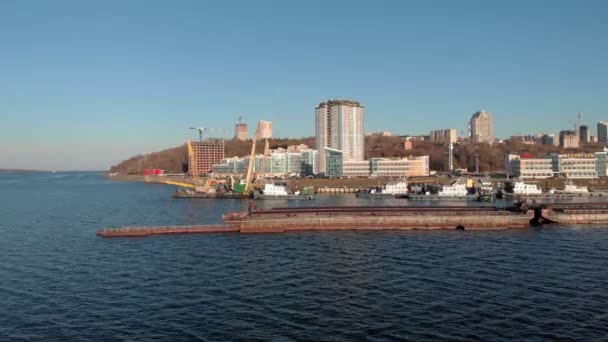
x,y
454,192
389,190
339,218
574,214
276,191
571,188
521,188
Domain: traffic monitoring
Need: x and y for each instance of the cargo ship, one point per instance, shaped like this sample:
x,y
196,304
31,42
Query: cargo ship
x,y
373,218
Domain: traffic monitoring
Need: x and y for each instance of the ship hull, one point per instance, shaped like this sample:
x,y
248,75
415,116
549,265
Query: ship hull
x,y
370,219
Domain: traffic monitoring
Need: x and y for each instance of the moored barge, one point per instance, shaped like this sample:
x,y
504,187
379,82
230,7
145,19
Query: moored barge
x,y
375,218
574,214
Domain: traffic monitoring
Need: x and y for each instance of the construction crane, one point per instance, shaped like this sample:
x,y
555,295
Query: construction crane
x,y
249,176
265,159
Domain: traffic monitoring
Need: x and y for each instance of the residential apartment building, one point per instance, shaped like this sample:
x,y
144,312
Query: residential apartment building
x,y
481,128
203,155
444,136
264,129
339,126
568,139
240,131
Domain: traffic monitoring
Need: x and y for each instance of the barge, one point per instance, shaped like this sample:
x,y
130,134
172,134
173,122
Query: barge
x,y
376,218
574,214
195,194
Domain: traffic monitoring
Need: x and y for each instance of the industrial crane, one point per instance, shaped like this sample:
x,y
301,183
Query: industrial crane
x,y
249,176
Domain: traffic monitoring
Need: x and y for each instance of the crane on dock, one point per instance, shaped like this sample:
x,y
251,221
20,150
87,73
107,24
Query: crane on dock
x,y
249,176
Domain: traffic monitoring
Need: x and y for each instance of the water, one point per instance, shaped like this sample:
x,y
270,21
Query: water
x,y
59,282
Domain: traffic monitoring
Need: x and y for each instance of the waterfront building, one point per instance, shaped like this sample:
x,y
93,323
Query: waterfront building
x,y
602,132
203,155
404,167
568,139
355,168
444,136
481,128
580,165
602,161
280,163
339,126
309,162
584,134
532,167
333,162
264,129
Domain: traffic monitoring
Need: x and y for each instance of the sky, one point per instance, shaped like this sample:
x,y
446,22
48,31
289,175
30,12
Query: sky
x,y
86,84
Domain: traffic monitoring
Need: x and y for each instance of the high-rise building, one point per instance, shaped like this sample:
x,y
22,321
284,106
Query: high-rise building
x,y
444,136
583,132
339,126
240,131
481,128
568,139
202,155
265,129
602,132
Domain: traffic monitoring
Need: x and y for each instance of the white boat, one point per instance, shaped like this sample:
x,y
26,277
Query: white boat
x,y
571,188
521,188
454,190
390,189
276,191
396,188
271,189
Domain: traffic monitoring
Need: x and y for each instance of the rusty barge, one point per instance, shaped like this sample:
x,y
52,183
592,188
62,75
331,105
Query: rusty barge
x,y
376,218
347,218
575,213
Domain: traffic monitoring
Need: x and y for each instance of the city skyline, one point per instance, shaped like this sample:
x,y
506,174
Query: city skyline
x,y
79,93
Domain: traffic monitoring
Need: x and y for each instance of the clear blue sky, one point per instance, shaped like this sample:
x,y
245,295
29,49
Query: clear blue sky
x,y
85,84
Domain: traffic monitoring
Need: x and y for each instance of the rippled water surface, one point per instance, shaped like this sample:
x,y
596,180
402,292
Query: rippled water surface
x,y
59,282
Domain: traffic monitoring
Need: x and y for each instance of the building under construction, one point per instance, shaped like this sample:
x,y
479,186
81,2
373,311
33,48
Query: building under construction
x,y
240,130
203,154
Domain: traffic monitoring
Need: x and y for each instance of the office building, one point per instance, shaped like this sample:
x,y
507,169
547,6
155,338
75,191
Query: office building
x,y
481,128
339,127
568,139
444,136
265,129
584,134
203,155
602,132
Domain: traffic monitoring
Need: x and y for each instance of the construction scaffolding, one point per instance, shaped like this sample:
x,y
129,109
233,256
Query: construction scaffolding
x,y
204,154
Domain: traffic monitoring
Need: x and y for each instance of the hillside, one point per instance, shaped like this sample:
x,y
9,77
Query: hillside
x,y
175,160
491,158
